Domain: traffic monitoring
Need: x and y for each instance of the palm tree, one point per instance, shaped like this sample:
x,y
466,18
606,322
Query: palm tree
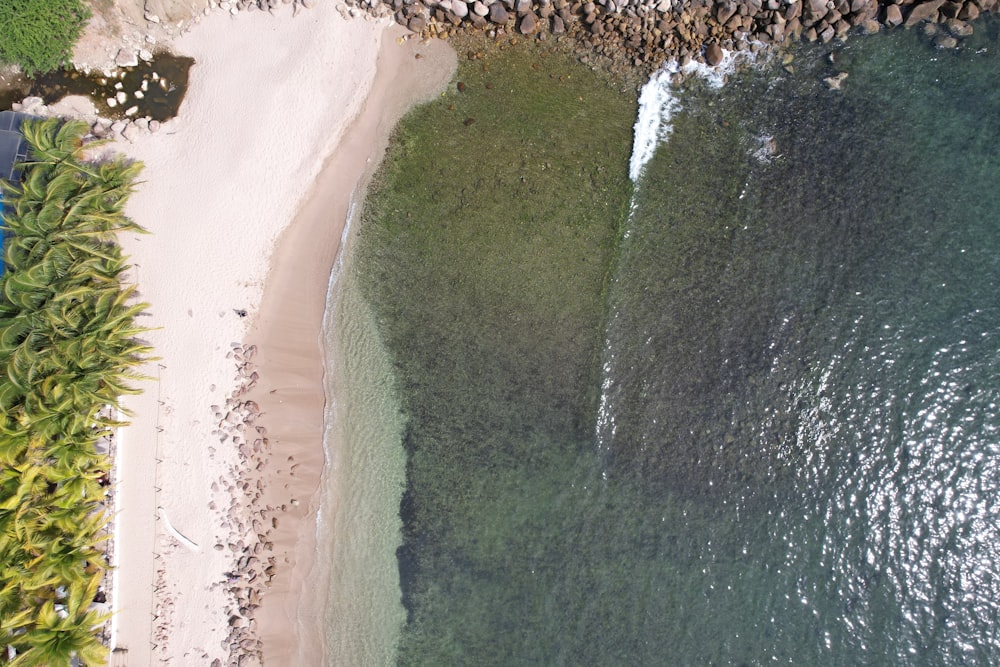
x,y
68,340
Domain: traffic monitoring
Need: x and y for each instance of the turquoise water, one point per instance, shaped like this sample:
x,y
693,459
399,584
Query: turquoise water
x,y
798,363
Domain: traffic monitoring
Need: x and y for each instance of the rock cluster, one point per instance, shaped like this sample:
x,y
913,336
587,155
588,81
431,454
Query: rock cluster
x,y
236,6
645,33
100,128
249,521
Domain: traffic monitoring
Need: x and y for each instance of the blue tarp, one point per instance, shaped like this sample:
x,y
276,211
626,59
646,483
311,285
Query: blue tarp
x,y
13,151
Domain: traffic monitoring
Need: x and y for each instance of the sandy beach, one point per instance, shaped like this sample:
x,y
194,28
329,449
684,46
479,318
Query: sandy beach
x,y
245,194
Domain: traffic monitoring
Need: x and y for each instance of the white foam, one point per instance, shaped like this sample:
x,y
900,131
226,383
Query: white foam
x,y
658,103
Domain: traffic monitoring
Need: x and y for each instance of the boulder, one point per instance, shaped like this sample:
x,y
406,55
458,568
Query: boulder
x,y
969,12
130,132
31,104
958,28
169,11
713,54
498,14
951,9
927,11
835,82
529,23
815,8
893,16
725,11
417,23
871,27
558,26
945,41
126,58
459,8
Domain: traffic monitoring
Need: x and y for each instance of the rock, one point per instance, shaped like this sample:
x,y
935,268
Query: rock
x,y
121,97
951,9
926,11
130,132
480,9
725,11
498,14
871,26
958,28
145,55
969,12
893,16
141,123
126,58
132,110
713,54
835,82
417,23
29,104
944,41
529,23
815,8
558,26
459,8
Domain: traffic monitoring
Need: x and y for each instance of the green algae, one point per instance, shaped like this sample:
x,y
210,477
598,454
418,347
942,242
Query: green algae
x,y
485,251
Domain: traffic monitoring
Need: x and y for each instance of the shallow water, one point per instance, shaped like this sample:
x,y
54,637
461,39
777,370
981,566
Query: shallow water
x,y
796,355
161,83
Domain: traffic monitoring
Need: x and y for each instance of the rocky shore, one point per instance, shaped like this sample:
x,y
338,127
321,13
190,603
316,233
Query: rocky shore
x,y
249,521
646,33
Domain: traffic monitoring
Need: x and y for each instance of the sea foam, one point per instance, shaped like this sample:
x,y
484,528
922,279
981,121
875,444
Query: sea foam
x,y
658,103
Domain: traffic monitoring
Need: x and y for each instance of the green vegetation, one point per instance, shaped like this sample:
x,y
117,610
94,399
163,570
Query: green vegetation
x,y
67,342
39,35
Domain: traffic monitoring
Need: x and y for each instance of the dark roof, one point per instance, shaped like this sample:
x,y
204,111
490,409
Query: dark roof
x,y
13,146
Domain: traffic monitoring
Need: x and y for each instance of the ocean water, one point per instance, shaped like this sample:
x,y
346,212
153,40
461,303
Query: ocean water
x,y
743,413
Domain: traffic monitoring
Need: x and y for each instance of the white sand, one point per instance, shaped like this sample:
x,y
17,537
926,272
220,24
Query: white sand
x,y
268,100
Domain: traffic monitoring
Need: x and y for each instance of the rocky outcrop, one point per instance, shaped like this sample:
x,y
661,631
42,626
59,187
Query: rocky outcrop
x,y
645,33
248,521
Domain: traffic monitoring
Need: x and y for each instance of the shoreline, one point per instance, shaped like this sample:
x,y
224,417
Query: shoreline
x,y
288,332
219,187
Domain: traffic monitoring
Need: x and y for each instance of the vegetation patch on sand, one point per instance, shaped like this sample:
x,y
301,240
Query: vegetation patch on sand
x,y
39,35
68,340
